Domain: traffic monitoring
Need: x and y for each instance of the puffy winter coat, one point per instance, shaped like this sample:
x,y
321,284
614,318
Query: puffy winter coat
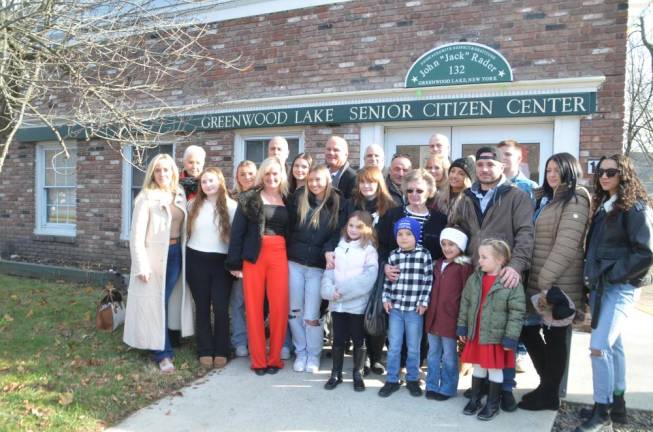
x,y
502,316
354,277
559,243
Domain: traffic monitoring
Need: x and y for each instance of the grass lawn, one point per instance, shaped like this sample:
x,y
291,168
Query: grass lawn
x,y
58,373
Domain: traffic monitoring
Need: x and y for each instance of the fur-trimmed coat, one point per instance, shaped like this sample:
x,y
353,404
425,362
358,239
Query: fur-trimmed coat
x,y
145,314
247,229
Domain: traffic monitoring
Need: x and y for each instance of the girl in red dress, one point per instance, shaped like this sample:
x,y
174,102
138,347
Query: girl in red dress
x,y
490,321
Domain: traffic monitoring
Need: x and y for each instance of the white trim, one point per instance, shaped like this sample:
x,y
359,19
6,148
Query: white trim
x,y
371,133
515,88
125,192
245,8
126,188
566,135
41,226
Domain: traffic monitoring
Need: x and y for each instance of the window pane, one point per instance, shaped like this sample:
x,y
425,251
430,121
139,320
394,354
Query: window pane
x,y
61,205
141,158
256,150
530,165
416,153
60,171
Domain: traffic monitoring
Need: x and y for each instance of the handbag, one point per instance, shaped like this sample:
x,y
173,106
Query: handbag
x,y
111,311
375,318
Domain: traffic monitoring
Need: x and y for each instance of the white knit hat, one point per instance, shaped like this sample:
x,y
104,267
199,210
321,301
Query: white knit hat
x,y
456,236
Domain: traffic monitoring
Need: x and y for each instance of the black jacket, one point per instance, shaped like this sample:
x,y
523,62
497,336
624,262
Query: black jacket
x,y
395,192
430,233
620,247
247,230
347,182
306,245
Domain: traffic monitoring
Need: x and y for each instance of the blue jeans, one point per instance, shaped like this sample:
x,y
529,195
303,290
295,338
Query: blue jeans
x,y
609,369
410,323
173,271
442,365
237,311
305,299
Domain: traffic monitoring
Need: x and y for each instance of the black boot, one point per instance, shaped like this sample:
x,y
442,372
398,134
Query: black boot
x,y
359,361
484,387
508,402
618,409
474,403
338,356
491,408
598,422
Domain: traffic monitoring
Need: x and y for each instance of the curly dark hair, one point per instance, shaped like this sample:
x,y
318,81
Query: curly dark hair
x,y
631,189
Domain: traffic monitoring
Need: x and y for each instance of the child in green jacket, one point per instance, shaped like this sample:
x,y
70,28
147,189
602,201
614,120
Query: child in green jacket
x,y
490,321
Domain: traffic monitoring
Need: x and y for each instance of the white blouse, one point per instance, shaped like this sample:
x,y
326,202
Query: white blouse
x,y
205,236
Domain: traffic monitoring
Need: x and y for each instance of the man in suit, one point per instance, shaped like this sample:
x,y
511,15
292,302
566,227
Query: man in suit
x,y
343,176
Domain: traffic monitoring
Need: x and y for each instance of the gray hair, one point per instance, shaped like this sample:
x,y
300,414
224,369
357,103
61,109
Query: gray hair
x,y
194,149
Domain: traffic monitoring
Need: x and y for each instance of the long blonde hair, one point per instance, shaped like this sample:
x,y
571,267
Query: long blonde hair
x,y
266,165
220,211
444,163
331,201
149,183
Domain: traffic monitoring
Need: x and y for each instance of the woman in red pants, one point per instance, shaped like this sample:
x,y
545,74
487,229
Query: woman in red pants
x,y
257,253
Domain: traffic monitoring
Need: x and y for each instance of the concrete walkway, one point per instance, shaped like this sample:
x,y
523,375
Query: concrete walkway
x,y
234,399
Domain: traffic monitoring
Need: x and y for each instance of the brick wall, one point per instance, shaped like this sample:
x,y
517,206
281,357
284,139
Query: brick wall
x,y
359,45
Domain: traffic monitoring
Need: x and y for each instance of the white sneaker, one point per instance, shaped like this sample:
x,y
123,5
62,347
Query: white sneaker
x,y
313,365
241,351
300,364
285,353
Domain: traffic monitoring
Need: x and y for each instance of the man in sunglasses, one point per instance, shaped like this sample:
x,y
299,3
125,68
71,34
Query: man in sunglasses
x,y
496,208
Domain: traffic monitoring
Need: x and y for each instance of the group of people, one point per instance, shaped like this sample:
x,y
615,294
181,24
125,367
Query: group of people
x,y
469,258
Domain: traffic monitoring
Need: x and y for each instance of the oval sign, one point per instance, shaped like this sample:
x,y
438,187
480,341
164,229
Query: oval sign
x,y
459,64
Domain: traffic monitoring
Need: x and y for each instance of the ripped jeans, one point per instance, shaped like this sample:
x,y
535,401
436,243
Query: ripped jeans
x,y
609,368
305,299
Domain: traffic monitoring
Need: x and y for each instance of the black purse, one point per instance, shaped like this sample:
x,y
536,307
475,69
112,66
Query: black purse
x,y
375,318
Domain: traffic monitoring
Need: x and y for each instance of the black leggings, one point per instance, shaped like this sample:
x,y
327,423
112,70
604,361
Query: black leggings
x,y
346,325
210,284
548,351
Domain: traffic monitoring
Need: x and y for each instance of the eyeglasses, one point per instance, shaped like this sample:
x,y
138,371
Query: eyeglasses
x,y
610,172
419,191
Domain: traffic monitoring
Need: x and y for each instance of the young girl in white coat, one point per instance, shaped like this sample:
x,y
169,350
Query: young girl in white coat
x,y
348,287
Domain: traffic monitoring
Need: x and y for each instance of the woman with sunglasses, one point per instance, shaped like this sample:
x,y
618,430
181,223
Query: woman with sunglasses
x,y
554,284
418,187
618,260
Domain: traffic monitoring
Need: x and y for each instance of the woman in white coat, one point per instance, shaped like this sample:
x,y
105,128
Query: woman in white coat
x,y
158,297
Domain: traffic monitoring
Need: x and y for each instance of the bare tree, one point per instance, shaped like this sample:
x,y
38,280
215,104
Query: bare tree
x,y
99,69
639,91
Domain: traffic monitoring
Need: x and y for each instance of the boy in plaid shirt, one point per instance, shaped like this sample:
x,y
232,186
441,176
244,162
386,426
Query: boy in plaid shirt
x,y
406,301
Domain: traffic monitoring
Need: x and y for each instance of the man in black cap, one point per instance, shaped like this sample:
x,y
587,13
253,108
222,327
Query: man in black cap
x,y
495,208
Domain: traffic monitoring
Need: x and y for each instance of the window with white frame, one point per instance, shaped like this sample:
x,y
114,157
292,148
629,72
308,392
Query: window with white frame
x,y
133,173
56,190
